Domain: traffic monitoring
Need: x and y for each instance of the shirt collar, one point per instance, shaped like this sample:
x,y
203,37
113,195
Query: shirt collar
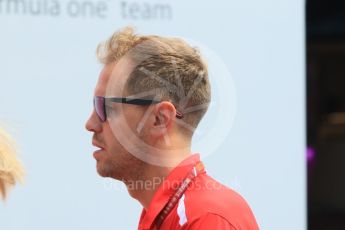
x,y
166,190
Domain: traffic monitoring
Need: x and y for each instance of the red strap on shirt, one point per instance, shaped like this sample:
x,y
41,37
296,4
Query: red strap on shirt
x,y
194,172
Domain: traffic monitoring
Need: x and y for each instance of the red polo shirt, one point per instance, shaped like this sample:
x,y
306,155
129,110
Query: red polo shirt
x,y
206,204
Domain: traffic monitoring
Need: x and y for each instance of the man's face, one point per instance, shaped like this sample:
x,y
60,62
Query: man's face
x,y
113,160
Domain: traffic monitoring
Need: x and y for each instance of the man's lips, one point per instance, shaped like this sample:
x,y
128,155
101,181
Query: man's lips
x,y
94,143
99,150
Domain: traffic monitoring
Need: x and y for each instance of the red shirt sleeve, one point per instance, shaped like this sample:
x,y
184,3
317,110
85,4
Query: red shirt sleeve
x,y
209,221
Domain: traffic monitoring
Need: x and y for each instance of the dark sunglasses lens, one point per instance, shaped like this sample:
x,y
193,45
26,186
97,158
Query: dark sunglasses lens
x,y
99,107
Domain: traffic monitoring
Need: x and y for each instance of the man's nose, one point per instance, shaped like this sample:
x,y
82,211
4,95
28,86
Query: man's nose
x,y
93,124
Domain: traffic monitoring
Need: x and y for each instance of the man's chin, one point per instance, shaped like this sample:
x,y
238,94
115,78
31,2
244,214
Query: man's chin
x,y
104,171
101,171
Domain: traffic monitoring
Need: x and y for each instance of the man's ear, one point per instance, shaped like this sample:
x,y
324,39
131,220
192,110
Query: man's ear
x,y
164,115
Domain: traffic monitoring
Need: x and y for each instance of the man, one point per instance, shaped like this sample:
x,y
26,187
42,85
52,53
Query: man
x,y
10,168
150,97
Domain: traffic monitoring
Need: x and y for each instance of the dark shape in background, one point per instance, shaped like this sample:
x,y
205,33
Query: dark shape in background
x,y
326,113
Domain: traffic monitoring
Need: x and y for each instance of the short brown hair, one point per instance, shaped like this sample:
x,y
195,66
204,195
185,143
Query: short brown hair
x,y
169,68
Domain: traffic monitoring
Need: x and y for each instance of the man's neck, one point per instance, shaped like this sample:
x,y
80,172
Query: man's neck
x,y
144,189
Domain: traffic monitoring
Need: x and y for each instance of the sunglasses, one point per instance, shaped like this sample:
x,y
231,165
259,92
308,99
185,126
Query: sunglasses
x,y
100,102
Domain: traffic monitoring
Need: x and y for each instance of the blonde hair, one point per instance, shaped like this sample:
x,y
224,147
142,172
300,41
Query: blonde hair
x,y
166,66
11,169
